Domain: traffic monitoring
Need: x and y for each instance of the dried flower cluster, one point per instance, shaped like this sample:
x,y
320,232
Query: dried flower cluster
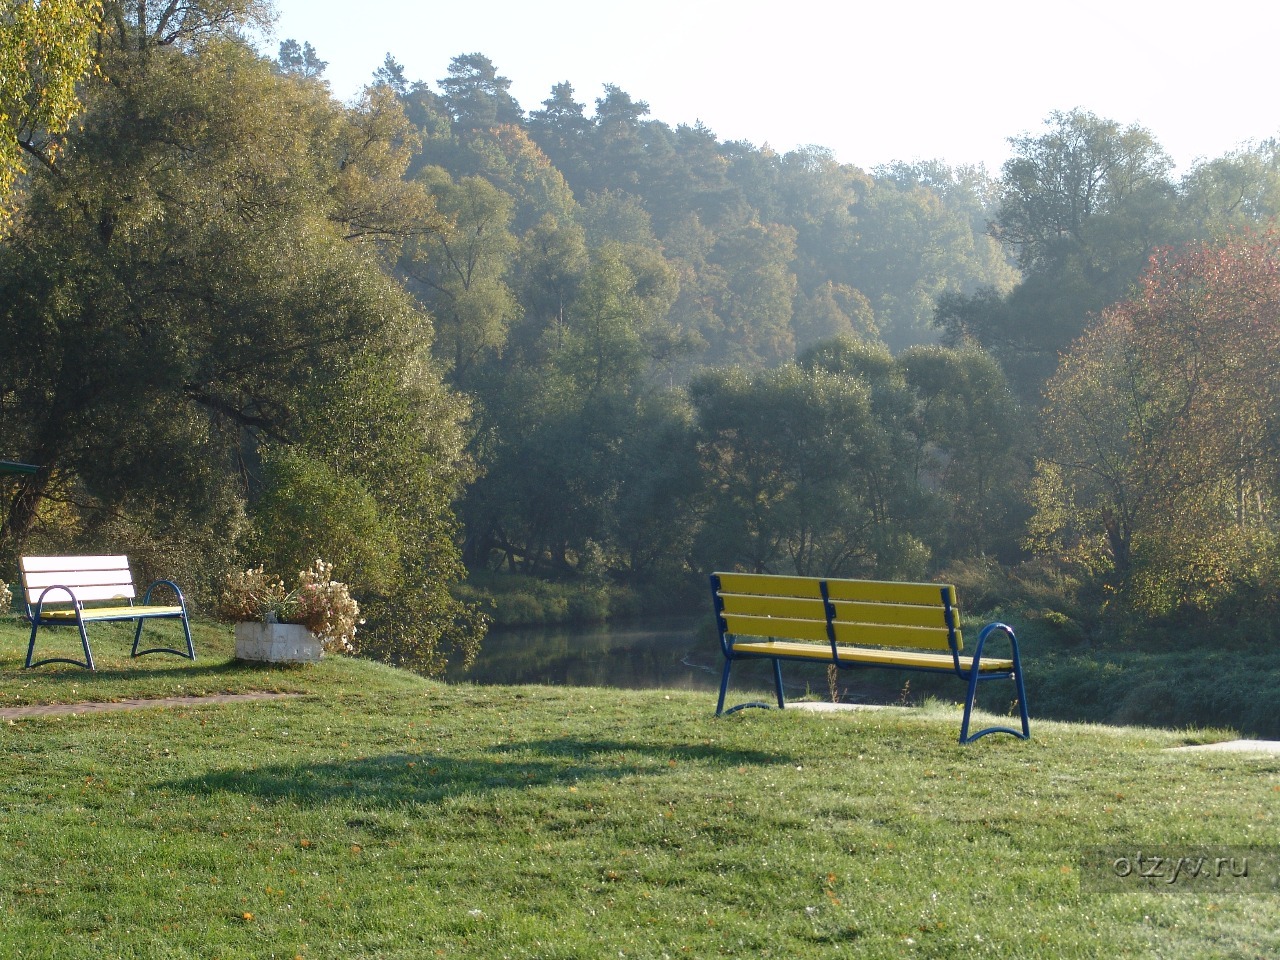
x,y
251,594
6,598
320,603
326,608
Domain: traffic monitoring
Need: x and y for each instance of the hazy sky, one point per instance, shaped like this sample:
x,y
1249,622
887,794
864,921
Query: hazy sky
x,y
898,80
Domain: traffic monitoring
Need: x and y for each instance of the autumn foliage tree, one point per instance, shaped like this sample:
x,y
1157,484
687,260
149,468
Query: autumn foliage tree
x,y
46,48
1161,462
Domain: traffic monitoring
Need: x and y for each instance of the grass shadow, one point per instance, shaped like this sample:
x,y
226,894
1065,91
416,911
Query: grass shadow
x,y
407,778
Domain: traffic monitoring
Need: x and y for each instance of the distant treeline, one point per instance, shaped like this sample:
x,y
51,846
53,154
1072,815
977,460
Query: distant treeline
x,y
433,331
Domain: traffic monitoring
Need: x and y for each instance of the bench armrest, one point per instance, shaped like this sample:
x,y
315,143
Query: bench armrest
x,y
989,629
71,598
177,592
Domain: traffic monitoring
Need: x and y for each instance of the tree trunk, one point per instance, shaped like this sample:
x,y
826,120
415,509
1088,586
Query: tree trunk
x,y
22,509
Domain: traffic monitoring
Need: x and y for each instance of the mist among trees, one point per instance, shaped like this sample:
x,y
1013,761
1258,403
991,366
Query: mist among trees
x,y
436,331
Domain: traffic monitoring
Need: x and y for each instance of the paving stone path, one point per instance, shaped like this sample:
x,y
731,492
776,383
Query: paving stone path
x,y
1268,747
77,709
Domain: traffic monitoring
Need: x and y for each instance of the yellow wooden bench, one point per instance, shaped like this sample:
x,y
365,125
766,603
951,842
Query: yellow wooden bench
x,y
857,624
74,591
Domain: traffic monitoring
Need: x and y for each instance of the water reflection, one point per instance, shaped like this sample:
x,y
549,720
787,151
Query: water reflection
x,y
679,653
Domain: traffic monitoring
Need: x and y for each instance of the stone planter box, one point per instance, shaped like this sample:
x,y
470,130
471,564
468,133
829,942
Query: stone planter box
x,y
277,643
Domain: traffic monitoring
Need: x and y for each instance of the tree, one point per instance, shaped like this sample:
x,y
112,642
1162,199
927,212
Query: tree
x,y
549,267
46,49
833,311
206,286
752,289
802,477
476,96
618,156
1238,190
1082,206
616,322
513,163
922,234
561,129
1162,442
391,75
458,272
1059,187
973,440
557,438
302,60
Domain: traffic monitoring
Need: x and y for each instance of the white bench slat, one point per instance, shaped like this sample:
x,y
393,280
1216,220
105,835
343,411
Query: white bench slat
x,y
115,591
77,578
39,564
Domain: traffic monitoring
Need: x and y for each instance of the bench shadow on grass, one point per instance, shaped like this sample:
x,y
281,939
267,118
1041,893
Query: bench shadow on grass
x,y
397,779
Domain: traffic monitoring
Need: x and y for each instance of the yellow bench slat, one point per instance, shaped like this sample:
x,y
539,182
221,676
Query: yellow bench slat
x,y
776,627
867,591
891,635
769,584
797,608
111,613
902,614
872,656
882,591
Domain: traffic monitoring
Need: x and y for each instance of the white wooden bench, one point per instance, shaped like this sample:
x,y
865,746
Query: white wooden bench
x,y
74,591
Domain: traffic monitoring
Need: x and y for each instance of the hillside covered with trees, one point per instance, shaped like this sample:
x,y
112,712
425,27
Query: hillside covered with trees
x,y
435,332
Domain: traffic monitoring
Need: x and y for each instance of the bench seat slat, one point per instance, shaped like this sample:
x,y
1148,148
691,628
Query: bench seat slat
x,y
112,613
869,656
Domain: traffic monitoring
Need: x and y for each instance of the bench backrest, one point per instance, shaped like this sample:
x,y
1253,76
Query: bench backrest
x,y
92,578
853,612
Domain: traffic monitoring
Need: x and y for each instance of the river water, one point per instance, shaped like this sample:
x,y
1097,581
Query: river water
x,y
667,653
674,653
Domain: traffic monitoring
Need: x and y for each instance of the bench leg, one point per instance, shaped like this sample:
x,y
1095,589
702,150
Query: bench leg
x,y
190,652
87,662
724,686
975,677
777,682
1023,734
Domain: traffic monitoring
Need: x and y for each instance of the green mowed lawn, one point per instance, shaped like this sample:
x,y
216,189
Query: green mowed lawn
x,y
378,814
